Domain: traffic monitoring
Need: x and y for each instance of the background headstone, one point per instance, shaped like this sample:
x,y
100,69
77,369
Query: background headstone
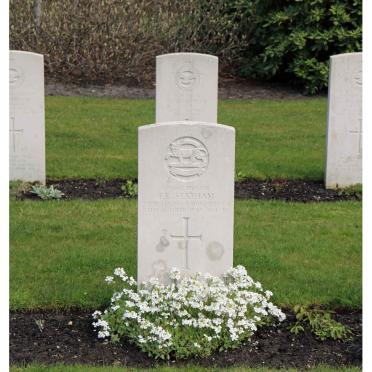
x,y
186,87
185,198
26,117
344,132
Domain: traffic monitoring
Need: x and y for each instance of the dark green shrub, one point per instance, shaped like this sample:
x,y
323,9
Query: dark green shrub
x,y
293,40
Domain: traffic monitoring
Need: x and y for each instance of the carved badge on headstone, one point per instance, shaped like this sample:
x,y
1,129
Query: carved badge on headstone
x,y
187,76
15,76
187,158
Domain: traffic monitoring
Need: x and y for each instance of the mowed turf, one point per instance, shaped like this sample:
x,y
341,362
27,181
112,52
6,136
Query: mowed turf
x,y
95,137
60,251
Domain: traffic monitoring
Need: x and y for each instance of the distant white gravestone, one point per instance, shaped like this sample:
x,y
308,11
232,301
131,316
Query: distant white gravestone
x,y
186,87
26,117
185,198
344,132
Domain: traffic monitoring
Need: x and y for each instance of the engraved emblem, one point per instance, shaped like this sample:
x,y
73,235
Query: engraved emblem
x,y
187,158
186,76
15,76
215,251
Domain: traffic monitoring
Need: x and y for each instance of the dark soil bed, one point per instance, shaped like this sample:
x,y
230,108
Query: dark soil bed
x,y
229,87
288,190
68,337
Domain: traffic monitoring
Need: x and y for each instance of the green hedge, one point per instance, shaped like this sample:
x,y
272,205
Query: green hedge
x,y
110,41
293,40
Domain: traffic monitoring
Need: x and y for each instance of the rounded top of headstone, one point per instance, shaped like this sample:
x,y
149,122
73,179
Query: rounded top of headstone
x,y
196,55
24,52
347,55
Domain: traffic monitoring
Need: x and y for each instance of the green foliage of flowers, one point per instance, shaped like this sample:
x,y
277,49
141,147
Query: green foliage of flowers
x,y
46,193
320,323
294,39
191,316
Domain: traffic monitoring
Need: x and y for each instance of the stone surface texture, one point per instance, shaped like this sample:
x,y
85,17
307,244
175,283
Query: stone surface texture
x,y
185,198
186,87
26,117
344,132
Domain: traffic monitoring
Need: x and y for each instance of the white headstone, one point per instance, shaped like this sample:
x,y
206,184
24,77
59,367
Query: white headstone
x,y
186,87
185,198
26,116
344,133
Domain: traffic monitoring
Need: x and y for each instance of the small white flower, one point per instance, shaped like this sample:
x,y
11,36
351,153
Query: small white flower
x,y
96,314
130,315
258,285
132,282
268,294
109,279
103,334
209,338
121,273
175,273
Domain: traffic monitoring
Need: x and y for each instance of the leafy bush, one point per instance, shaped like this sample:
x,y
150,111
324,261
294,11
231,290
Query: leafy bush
x,y
191,316
320,323
46,193
293,40
130,189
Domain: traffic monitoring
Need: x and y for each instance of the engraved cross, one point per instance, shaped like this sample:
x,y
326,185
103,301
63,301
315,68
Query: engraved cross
x,y
186,238
14,131
359,132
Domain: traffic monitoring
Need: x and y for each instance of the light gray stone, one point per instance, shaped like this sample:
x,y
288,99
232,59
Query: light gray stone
x,y
344,132
186,87
26,117
185,198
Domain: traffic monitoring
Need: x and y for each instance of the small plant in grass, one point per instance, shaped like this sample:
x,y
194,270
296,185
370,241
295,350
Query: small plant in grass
x,y
46,193
192,316
130,189
320,323
240,176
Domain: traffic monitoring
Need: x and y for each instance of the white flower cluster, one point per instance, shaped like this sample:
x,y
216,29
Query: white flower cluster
x,y
104,327
192,316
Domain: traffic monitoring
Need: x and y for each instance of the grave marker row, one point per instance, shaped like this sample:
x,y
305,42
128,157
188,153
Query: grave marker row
x,y
344,131
26,117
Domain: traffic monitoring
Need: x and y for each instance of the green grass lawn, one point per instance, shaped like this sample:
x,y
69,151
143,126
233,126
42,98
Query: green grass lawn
x,y
84,368
62,250
95,137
